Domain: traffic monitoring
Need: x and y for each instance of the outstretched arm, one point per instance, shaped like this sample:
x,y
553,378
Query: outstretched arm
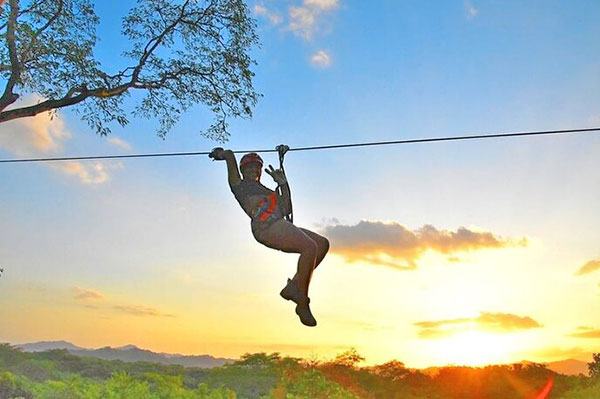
x,y
233,173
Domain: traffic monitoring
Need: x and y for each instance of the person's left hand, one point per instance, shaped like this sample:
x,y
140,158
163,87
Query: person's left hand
x,y
277,175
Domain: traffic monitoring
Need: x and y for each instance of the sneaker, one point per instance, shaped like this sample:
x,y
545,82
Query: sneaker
x,y
290,292
303,311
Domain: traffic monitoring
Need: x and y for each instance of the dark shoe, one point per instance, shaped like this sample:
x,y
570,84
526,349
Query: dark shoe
x,y
290,292
303,311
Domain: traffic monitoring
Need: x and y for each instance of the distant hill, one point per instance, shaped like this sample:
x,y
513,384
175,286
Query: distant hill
x,y
48,345
569,367
129,353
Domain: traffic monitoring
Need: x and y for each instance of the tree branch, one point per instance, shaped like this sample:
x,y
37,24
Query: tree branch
x,y
157,40
42,107
38,32
68,99
8,97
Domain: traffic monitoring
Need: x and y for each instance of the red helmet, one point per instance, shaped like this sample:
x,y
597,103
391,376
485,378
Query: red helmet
x,y
249,158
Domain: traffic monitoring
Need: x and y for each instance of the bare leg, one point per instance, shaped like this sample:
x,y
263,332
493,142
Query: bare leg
x,y
322,248
322,245
286,237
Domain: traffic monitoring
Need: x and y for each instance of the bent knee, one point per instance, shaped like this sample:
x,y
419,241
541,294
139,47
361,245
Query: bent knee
x,y
310,247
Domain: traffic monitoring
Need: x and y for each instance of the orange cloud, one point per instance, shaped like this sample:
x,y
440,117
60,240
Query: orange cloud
x,y
45,135
90,299
87,294
143,311
497,322
40,134
394,245
586,332
589,267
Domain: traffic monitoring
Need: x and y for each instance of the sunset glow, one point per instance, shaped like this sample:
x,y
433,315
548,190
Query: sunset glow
x,y
474,348
468,252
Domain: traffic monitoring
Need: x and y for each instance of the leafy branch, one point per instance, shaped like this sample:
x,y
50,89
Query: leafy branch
x,y
182,53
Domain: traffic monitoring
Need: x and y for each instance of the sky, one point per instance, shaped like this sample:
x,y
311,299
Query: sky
x,y
467,252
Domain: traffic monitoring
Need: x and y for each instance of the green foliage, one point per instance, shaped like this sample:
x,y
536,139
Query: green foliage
x,y
72,388
582,392
181,53
123,386
167,387
204,392
253,376
12,386
60,375
10,356
37,370
312,384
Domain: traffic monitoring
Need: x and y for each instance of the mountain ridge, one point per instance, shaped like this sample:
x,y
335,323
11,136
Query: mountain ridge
x,y
132,353
128,353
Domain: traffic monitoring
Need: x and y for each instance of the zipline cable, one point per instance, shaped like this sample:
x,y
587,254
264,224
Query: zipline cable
x,y
321,147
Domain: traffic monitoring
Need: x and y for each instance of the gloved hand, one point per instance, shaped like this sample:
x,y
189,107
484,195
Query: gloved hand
x,y
217,154
277,175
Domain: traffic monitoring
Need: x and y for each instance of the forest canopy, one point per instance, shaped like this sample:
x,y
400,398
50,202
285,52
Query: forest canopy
x,y
57,373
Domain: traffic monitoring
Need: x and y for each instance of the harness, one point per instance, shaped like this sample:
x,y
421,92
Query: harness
x,y
264,209
281,150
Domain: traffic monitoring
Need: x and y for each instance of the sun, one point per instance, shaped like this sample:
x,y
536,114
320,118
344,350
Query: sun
x,y
474,348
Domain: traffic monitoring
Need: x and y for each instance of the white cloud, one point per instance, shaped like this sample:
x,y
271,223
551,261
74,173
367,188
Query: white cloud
x,y
321,59
45,135
322,4
273,17
117,142
304,19
89,172
471,10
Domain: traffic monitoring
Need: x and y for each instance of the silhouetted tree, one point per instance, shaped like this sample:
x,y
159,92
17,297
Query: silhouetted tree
x,y
181,53
594,366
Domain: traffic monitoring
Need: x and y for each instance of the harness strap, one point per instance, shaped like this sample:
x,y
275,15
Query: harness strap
x,y
264,209
282,149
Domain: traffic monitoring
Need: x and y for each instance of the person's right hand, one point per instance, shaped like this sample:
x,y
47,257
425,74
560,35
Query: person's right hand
x,y
217,154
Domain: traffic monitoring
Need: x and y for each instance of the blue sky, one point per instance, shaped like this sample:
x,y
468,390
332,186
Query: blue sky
x,y
156,252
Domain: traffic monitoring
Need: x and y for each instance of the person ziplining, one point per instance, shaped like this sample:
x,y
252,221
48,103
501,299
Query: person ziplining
x,y
268,210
